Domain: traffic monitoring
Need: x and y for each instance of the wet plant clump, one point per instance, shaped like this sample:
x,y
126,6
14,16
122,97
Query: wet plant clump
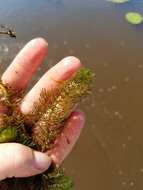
x,y
41,127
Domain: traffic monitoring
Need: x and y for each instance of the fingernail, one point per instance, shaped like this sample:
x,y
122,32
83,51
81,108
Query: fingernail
x,y
42,161
37,41
78,115
65,69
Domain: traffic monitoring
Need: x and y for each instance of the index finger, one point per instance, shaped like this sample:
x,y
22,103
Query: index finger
x,y
25,64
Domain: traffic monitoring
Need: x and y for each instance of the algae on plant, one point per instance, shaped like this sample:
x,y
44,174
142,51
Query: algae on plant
x,y
70,93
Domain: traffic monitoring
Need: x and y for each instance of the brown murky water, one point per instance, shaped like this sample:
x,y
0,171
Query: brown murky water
x,y
109,154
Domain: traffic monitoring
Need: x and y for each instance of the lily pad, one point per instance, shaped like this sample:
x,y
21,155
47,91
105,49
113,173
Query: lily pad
x,y
134,18
118,1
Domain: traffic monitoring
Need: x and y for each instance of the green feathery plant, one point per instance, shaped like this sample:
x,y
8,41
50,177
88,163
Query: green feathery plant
x,y
40,128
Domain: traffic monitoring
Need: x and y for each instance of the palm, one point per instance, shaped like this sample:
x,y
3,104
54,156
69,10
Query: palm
x,y
18,75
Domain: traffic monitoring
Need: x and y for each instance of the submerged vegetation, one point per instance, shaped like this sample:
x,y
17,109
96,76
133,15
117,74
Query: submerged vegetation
x,y
40,128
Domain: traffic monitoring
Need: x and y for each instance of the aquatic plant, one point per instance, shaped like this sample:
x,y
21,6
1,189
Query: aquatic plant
x,y
134,18
131,17
40,128
119,1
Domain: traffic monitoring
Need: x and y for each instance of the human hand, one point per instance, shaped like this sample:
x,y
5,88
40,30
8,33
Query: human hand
x,y
16,159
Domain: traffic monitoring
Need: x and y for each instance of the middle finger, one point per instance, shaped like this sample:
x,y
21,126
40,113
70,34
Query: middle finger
x,y
60,72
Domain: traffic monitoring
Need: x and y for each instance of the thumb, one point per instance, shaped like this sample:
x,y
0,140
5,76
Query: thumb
x,y
18,160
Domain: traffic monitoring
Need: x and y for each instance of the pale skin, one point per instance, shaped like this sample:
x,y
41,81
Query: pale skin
x,y
16,159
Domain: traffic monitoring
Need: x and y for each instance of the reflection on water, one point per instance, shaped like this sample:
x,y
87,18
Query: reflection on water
x,y
109,154
58,3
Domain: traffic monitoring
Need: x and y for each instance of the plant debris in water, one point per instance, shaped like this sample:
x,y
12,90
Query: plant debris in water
x,y
5,30
40,128
119,1
134,18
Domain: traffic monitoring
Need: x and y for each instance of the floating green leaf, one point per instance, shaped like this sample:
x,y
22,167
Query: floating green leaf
x,y
134,18
119,1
